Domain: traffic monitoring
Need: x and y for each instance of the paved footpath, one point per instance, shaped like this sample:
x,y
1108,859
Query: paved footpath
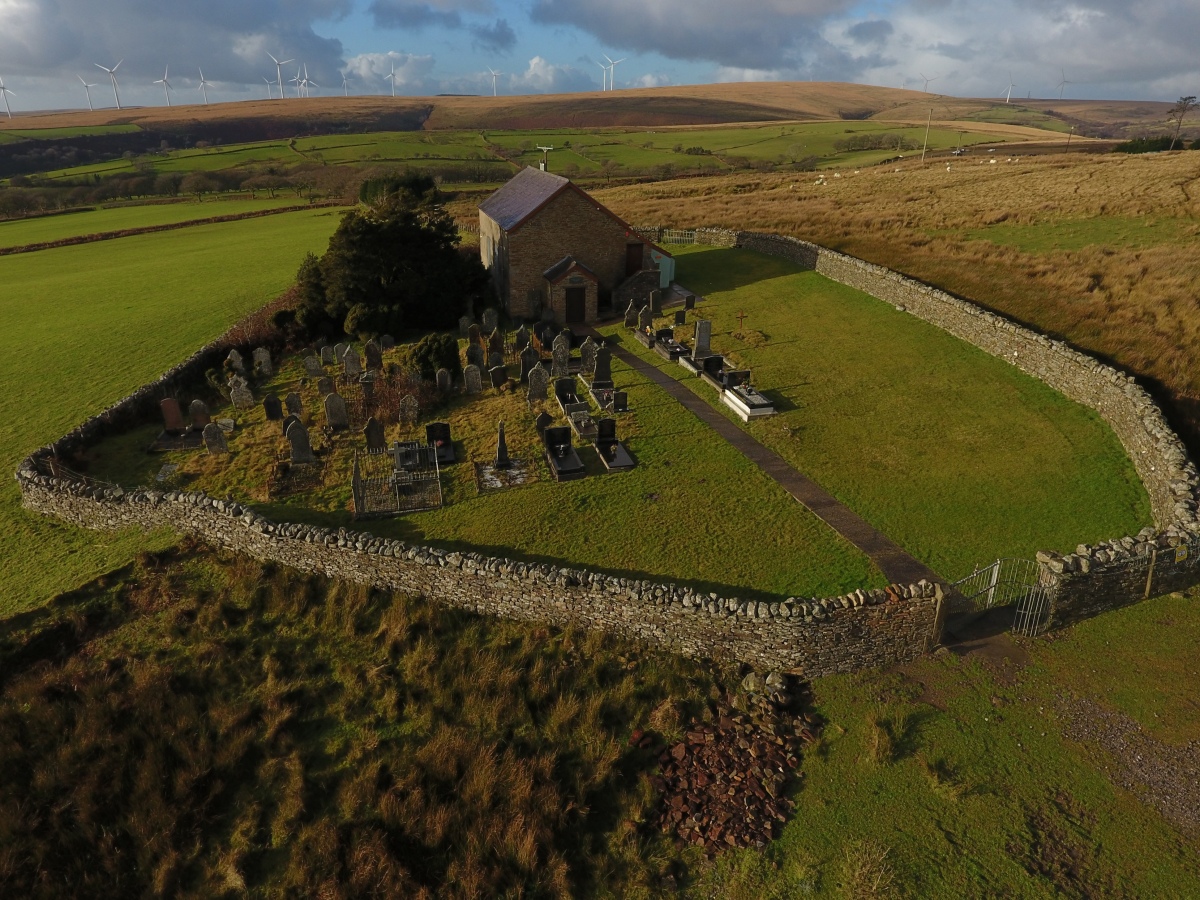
x,y
898,566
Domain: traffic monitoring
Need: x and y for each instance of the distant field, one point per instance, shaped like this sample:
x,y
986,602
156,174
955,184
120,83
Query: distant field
x,y
954,454
17,232
1077,234
82,326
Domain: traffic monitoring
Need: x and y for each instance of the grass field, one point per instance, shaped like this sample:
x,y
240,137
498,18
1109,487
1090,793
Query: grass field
x,y
745,537
83,326
955,455
17,232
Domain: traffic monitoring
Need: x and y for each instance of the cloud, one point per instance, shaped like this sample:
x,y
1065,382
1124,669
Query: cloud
x,y
498,36
871,32
544,77
652,80
368,72
402,14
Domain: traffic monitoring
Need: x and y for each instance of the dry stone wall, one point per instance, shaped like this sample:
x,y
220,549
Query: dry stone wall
x,y
1093,578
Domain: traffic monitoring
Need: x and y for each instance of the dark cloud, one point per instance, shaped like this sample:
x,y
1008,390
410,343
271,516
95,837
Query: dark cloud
x,y
497,36
870,32
401,14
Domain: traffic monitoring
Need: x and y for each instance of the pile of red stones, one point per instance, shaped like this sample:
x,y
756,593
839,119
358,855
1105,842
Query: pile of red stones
x,y
724,785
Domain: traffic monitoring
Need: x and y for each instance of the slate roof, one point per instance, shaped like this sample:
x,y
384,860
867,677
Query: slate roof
x,y
525,193
565,265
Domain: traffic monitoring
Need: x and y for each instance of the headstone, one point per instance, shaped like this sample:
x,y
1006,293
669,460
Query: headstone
x,y
297,436
262,363
474,335
241,396
339,350
444,381
172,416
587,356
475,355
689,301
273,408
496,342
287,423
543,421
464,326
494,359
539,383
226,425
702,346
620,401
631,316
295,406
235,362
645,318
473,379
490,319
374,356
313,367
214,439
351,363
324,386
327,357
386,342
497,375
602,369
501,461
656,302
336,416
529,358
561,356
409,410
606,431
367,383
200,415
373,432
680,317
521,338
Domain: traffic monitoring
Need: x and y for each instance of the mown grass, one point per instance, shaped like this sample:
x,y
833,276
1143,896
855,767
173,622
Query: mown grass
x,y
955,455
18,232
694,510
80,327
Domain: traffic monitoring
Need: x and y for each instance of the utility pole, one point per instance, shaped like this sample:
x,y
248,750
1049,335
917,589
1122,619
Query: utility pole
x,y
927,121
545,157
1070,134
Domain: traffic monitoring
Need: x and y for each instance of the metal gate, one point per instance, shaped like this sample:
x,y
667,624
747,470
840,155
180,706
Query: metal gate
x,y
677,236
1011,582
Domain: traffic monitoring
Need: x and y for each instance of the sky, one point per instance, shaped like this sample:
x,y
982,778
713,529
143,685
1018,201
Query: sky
x,y
1114,49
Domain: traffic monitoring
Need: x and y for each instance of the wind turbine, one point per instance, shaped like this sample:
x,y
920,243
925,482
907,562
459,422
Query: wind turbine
x,y
296,82
87,87
927,80
112,74
166,84
495,74
1008,97
603,76
4,92
269,83
204,85
612,71
391,76
279,64
308,83
1062,84
345,86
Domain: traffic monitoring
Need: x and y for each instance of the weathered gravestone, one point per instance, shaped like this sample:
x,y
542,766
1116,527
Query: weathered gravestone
x,y
327,357
302,452
497,375
295,406
373,432
324,385
539,383
475,355
386,342
561,356
287,423
702,345
273,408
602,367
490,319
473,379
444,382
529,358
241,396
339,350
464,326
680,317
587,356
313,367
656,302
474,335
521,338
410,409
502,460
495,359
543,421
214,439
336,416
172,416
689,301
631,316
262,363
645,318
374,356
200,415
351,363
235,362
